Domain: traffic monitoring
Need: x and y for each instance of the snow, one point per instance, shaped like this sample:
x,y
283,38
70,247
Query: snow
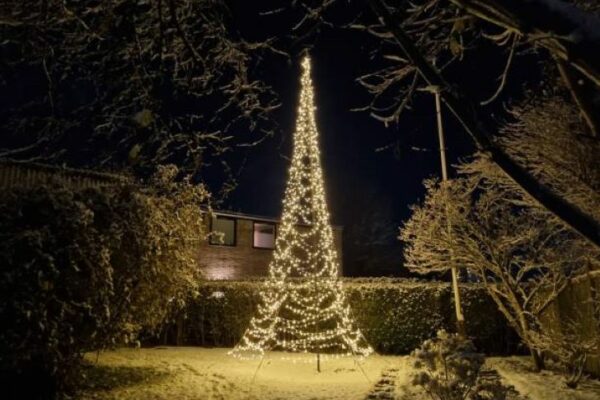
x,y
209,373
201,373
545,385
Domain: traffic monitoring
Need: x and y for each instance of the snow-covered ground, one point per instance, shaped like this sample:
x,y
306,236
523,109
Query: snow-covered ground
x,y
201,373
545,385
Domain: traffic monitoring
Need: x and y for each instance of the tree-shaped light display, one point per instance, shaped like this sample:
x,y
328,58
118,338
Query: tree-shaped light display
x,y
303,307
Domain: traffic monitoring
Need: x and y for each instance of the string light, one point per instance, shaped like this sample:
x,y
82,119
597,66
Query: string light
x,y
303,308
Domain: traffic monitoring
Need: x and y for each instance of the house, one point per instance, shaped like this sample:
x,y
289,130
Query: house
x,y
242,245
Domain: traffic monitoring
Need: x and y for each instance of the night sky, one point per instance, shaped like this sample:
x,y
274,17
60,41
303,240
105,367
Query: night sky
x,y
370,171
349,140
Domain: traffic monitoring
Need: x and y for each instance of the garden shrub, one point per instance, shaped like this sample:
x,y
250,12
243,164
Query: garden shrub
x,y
485,324
83,269
395,318
220,313
448,368
395,315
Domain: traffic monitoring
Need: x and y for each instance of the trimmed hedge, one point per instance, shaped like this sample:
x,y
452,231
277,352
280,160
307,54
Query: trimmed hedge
x,y
395,315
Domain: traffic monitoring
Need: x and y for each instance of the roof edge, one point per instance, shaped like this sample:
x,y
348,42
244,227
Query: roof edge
x,y
255,217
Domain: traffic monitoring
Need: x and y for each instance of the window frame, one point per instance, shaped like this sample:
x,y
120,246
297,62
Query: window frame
x,y
212,237
274,224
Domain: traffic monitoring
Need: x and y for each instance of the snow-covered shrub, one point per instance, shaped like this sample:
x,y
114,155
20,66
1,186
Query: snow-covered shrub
x,y
396,318
85,269
448,368
491,390
569,347
220,313
395,315
571,330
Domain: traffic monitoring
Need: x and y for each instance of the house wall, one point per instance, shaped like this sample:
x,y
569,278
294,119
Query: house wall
x,y
242,260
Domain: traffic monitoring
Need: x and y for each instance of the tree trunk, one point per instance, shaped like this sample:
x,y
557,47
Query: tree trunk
x,y
464,111
536,356
538,360
180,331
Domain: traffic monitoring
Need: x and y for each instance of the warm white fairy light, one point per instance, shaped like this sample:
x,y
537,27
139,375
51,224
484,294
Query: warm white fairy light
x,y
303,308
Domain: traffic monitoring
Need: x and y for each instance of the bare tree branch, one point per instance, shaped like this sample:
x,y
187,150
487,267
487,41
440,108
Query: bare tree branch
x,y
560,27
583,223
131,84
504,73
585,108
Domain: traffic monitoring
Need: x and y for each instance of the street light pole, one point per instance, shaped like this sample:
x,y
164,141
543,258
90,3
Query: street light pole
x,y
460,319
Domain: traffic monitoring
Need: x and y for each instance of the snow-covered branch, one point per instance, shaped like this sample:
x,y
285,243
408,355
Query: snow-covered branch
x,y
124,82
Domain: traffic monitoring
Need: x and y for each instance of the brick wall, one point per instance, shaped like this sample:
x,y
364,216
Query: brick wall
x,y
242,260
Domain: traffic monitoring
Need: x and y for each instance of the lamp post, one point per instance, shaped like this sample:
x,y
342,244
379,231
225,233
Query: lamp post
x,y
460,319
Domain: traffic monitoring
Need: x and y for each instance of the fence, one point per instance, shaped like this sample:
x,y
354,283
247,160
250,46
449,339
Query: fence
x,y
576,312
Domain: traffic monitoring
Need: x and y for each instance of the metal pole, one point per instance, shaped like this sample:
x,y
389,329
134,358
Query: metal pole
x,y
460,319
438,113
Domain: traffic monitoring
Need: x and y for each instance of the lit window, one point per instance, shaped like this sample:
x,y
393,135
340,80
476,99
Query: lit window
x,y
264,235
222,231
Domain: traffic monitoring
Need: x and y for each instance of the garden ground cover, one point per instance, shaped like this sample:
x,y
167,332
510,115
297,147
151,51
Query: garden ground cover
x,y
209,373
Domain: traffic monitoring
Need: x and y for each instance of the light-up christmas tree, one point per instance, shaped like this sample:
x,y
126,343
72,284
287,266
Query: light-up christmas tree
x,y
303,308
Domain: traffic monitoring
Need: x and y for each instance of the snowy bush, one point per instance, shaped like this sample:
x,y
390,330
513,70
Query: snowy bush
x,y
86,269
448,369
395,315
448,366
397,318
570,334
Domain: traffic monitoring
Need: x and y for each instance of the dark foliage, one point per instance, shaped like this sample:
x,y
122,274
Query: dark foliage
x,y
129,83
395,315
86,269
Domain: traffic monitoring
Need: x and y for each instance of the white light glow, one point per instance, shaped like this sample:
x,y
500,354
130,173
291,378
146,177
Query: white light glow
x,y
303,307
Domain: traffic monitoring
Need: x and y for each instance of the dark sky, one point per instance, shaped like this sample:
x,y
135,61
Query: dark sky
x,y
362,183
353,167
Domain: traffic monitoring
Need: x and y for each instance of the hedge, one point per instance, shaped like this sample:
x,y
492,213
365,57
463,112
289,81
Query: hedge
x,y
395,315
85,269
